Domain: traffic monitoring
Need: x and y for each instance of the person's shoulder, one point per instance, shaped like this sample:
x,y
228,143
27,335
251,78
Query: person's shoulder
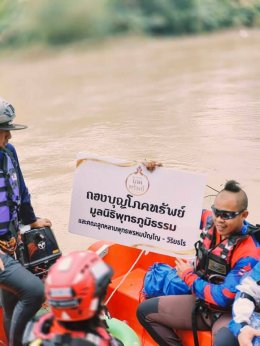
x,y
11,148
247,248
248,244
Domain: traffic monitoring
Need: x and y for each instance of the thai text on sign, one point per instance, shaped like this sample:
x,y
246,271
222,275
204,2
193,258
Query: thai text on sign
x,y
125,203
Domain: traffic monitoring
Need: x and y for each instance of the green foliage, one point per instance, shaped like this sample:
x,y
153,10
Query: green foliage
x,y
57,22
171,17
7,9
54,22
65,21
246,12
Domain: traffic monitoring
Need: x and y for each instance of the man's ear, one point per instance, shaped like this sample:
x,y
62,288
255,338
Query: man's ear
x,y
245,214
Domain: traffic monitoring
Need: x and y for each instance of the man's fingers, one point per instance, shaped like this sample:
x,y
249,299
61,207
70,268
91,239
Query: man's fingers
x,y
151,165
2,267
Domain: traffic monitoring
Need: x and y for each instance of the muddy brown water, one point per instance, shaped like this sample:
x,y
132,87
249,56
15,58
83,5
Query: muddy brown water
x,y
192,103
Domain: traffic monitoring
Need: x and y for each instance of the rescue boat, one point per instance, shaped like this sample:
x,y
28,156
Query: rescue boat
x,y
125,291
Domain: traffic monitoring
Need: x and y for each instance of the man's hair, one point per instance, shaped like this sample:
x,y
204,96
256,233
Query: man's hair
x,y
234,186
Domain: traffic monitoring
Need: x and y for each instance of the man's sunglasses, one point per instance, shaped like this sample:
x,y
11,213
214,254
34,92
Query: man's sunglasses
x,y
225,214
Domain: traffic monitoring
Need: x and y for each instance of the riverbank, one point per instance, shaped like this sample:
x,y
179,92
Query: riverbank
x,y
48,23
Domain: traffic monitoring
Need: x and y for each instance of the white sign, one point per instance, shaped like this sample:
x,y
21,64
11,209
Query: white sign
x,y
125,203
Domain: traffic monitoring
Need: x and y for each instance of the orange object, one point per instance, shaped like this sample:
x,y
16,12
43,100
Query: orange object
x,y
125,292
3,339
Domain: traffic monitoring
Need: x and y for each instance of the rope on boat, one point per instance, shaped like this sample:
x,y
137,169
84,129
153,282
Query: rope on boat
x,y
125,276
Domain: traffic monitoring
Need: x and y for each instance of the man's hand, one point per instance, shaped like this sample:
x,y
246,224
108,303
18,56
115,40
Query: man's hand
x,y
8,246
39,223
2,267
151,165
246,336
181,266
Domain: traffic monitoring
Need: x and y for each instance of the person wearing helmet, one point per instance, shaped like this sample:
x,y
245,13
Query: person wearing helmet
x,y
21,292
75,288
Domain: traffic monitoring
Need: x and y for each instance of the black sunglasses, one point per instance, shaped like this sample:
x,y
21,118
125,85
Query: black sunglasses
x,y
225,214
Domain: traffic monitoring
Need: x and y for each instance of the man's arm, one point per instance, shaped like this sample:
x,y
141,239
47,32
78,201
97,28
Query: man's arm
x,y
26,212
218,294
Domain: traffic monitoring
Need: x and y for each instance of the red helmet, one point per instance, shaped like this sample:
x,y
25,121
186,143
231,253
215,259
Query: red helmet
x,y
76,285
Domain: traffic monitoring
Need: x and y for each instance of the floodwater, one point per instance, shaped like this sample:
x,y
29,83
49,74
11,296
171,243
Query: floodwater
x,y
191,103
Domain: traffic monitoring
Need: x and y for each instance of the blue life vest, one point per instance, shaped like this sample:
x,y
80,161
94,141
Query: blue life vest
x,y
9,194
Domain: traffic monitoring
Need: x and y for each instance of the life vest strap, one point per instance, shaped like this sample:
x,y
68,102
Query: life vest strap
x,y
8,203
248,296
4,225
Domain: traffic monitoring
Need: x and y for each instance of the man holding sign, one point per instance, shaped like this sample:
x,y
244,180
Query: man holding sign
x,y
226,251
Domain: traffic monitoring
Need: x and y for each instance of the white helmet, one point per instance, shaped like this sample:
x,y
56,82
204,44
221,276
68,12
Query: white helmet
x,y
7,114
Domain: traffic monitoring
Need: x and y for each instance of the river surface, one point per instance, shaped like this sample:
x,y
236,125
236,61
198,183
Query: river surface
x,y
192,103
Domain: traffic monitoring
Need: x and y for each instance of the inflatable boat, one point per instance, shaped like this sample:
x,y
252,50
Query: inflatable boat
x,y
125,291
